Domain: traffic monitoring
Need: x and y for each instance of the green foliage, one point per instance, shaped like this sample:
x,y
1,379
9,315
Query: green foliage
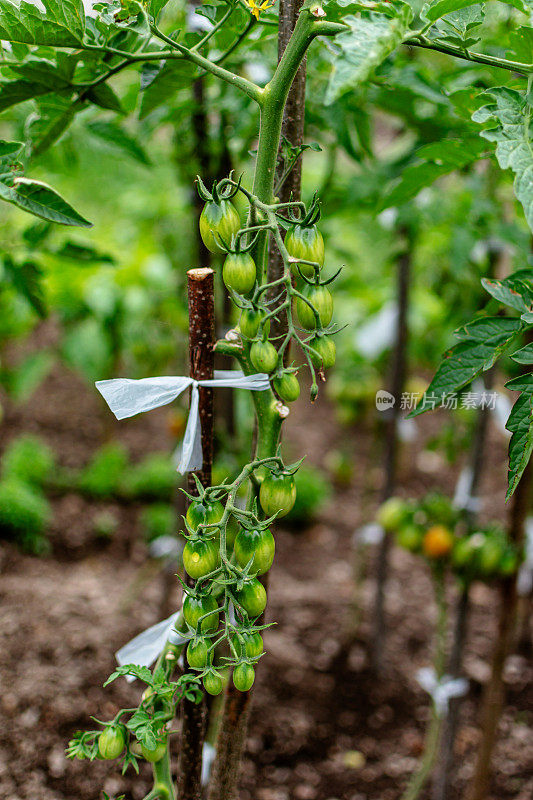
x,y
102,475
372,37
62,24
507,119
313,490
28,459
159,519
24,514
154,478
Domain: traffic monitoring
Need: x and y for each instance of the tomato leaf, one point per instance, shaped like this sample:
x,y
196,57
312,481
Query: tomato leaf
x,y
508,116
520,424
372,37
434,11
142,673
62,24
42,201
512,292
482,342
114,135
27,278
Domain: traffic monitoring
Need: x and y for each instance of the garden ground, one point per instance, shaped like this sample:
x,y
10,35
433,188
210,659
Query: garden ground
x,y
322,725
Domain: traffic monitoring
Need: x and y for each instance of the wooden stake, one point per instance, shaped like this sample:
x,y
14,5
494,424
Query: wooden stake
x,y
201,357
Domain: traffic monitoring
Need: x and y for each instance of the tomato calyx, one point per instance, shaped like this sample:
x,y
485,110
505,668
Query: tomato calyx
x,y
220,190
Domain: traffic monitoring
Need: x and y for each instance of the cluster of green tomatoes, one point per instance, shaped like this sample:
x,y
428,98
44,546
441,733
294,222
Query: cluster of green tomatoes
x,y
433,527
310,301
227,569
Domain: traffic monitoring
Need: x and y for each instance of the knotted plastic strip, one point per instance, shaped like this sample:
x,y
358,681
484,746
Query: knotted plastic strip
x,y
126,397
443,690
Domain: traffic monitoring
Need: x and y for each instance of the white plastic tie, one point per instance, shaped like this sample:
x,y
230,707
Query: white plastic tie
x,y
145,648
441,691
372,533
126,398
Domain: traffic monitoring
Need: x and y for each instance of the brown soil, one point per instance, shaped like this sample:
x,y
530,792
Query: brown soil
x,y
322,726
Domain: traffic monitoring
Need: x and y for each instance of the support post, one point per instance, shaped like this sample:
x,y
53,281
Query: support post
x,y
201,357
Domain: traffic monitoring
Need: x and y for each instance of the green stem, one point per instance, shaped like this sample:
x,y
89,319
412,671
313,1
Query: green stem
x,y
467,55
163,778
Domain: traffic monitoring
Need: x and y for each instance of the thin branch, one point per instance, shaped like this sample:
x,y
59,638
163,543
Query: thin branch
x,y
467,55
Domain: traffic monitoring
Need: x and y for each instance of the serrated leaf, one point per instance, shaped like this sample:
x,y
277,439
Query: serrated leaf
x,y
524,355
13,92
482,342
156,7
434,11
514,296
510,112
171,77
115,135
27,277
520,424
521,43
441,158
55,113
42,201
41,72
370,40
104,96
62,24
142,673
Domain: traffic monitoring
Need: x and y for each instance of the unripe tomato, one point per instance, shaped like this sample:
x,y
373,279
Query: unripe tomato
x,y
156,754
325,351
200,513
437,542
464,552
264,357
239,272
321,299
212,683
306,243
200,557
198,654
196,607
111,741
509,563
256,545
243,677
250,321
252,597
277,494
250,644
392,514
490,556
287,386
410,537
220,219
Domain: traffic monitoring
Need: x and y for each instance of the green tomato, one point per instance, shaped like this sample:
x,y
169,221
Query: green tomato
x,y
239,272
256,545
219,219
264,357
156,754
200,557
392,514
248,644
464,552
277,494
325,351
111,741
243,677
321,299
198,654
287,386
252,597
213,683
410,537
204,514
250,321
196,607
306,243
490,556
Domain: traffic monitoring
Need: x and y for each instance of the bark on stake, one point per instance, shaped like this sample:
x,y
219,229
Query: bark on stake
x,y
494,694
201,341
399,367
